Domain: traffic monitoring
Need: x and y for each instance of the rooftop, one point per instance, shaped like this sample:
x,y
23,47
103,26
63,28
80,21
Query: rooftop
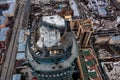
x,y
112,70
74,7
3,21
86,25
3,33
54,20
89,65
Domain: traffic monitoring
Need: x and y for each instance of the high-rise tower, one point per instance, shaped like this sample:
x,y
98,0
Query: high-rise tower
x,y
51,49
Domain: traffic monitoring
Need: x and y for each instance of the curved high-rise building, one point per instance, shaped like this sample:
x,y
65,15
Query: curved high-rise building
x,y
51,49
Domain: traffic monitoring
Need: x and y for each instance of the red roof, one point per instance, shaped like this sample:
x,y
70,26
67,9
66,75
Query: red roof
x,y
97,78
2,45
34,78
89,57
93,67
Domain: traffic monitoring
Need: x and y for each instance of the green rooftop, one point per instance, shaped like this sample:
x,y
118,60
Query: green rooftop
x,y
92,74
87,75
86,53
90,63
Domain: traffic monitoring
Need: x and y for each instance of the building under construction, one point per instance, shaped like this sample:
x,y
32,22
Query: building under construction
x,y
59,39
51,49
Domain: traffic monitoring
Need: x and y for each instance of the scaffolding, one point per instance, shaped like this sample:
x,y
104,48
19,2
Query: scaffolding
x,y
83,30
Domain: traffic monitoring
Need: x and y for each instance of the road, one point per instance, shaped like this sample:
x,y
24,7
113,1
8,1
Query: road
x,y
8,66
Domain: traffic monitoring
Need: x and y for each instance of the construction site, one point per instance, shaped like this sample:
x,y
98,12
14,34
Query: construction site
x,y
59,39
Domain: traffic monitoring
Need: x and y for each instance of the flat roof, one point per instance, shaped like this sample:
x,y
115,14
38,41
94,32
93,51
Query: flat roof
x,y
54,20
3,33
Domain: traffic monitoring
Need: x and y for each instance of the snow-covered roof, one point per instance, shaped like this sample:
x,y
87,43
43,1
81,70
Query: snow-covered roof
x,y
55,20
16,77
3,33
48,38
20,56
115,38
2,20
118,19
102,11
74,7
